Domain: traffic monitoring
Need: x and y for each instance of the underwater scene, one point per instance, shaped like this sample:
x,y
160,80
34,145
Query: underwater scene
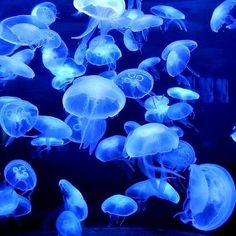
x,y
117,117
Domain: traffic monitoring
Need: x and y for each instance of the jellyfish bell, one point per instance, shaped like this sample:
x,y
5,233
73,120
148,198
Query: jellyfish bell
x,y
73,200
20,175
177,130
110,74
23,208
157,115
135,83
61,82
130,126
182,94
6,99
155,101
25,56
6,48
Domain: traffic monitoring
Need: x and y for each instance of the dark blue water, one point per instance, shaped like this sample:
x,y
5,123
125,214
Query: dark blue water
x,y
215,116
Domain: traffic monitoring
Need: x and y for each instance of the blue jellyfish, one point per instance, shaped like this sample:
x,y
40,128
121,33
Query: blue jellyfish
x,y
233,135
150,139
180,158
102,51
9,200
143,190
210,197
182,94
61,82
130,126
110,74
155,101
81,100
67,224
170,15
134,3
5,99
177,130
46,12
6,48
130,41
73,200
135,83
87,134
23,208
111,148
222,16
20,175
119,206
17,118
51,39
25,56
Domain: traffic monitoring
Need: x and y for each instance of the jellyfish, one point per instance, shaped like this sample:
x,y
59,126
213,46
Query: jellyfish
x,y
81,100
135,83
110,74
51,39
130,126
46,12
149,65
150,139
119,206
157,115
210,197
9,200
182,94
180,158
177,130
17,118
6,48
23,208
20,175
233,135
61,82
155,101
130,41
170,15
67,224
143,190
102,50
132,3
87,136
73,200
222,17
111,148
50,126
25,56
5,99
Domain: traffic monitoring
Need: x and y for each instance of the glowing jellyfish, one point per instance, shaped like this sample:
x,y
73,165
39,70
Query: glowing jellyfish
x,y
51,126
18,117
135,83
51,39
182,94
119,206
81,100
20,175
143,190
23,208
111,148
130,41
5,99
150,139
8,200
222,16
67,224
180,158
210,197
170,15
155,101
61,82
177,130
157,115
133,3
46,12
73,200
103,51
6,48
110,74
87,133
25,55
130,126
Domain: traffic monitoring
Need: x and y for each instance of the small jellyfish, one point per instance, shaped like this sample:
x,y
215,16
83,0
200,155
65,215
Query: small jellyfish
x,y
61,82
157,115
46,12
155,101
51,39
119,206
111,148
102,51
132,3
73,200
170,15
130,41
135,83
150,139
210,197
222,16
20,175
67,224
182,94
130,126
23,208
110,74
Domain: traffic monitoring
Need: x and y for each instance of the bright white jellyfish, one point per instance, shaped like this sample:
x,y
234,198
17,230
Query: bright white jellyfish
x,y
210,197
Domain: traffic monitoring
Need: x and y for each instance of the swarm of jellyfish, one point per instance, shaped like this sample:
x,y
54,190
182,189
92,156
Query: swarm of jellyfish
x,y
91,102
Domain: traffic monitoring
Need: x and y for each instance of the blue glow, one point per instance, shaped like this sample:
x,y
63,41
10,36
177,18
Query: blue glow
x,y
182,94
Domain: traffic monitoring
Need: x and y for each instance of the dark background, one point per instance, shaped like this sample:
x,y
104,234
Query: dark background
x,y
215,58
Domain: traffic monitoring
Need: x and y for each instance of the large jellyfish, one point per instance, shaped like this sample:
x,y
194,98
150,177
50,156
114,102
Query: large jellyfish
x,y
73,199
67,224
119,206
182,94
135,83
222,17
20,175
210,197
170,15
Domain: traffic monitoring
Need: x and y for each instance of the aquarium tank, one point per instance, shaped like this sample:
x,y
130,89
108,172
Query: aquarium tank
x,y
117,117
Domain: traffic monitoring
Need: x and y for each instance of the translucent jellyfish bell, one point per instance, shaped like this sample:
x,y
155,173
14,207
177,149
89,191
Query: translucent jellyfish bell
x,y
119,206
23,208
6,48
135,83
5,99
73,200
150,139
130,126
67,224
182,94
157,115
222,17
81,100
154,101
210,197
20,175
